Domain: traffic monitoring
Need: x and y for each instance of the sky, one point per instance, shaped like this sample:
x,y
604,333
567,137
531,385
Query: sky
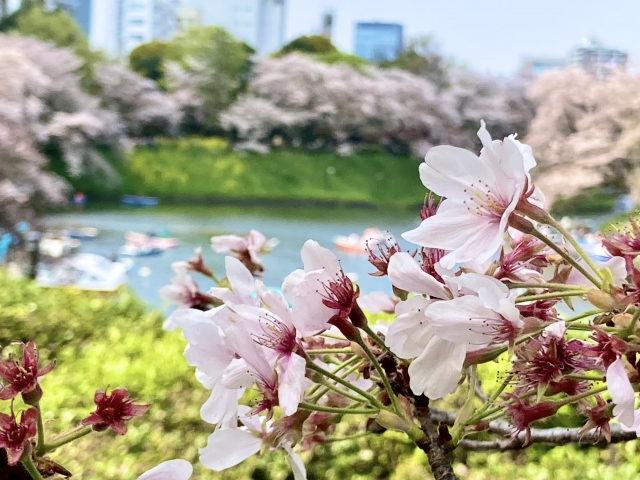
x,y
491,36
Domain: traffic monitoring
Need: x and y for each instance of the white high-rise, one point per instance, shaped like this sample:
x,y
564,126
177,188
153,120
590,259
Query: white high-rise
x,y
118,26
260,23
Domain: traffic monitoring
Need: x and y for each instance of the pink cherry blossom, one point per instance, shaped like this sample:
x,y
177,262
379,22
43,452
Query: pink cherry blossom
x,y
481,194
486,315
321,294
246,249
412,336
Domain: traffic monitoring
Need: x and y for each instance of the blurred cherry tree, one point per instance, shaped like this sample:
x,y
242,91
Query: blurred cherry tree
x,y
586,129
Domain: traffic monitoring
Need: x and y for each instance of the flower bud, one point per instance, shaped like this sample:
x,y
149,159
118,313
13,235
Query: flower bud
x,y
391,421
602,300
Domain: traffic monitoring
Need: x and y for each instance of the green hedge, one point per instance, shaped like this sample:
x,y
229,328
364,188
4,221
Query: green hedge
x,y
111,341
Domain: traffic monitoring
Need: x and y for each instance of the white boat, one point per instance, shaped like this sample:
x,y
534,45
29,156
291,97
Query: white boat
x,y
84,271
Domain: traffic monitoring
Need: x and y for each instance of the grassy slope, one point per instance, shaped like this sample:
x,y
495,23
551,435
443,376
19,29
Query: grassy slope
x,y
104,342
207,170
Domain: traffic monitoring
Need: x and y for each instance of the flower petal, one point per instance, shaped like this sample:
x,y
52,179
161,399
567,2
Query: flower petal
x,y
447,171
316,257
435,373
467,235
411,331
291,375
407,275
227,447
621,392
169,470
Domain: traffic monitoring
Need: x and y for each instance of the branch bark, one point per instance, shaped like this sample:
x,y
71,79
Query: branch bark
x,y
553,436
433,446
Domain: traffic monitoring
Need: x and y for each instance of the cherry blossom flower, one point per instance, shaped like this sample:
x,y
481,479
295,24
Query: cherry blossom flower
x,y
481,195
169,470
386,248
14,435
183,291
598,418
486,315
282,385
22,377
622,394
412,336
228,446
275,329
246,249
546,359
322,294
113,411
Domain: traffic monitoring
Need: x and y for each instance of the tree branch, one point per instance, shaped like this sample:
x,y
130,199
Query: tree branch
x,y
554,436
433,447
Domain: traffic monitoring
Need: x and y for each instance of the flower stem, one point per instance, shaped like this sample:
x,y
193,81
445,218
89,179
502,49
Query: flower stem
x,y
552,222
583,315
567,257
549,286
375,337
383,376
328,351
343,411
544,296
374,401
322,391
28,465
40,444
69,437
342,392
340,367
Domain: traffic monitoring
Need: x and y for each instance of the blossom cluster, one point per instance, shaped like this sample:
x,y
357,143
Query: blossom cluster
x,y
492,276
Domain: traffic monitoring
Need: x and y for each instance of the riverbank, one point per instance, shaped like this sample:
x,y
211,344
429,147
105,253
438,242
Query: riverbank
x,y
208,171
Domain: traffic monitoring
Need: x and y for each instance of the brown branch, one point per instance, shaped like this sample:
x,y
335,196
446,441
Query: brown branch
x,y
433,446
554,436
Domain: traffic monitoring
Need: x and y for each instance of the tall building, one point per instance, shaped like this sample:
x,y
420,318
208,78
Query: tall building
x,y
118,26
326,30
595,58
378,41
260,23
136,23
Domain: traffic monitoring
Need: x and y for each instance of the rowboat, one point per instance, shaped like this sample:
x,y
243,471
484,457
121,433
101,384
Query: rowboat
x,y
139,201
142,240
355,243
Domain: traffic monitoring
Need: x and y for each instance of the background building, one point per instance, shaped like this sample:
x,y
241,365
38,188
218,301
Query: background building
x,y
378,41
260,23
597,59
326,28
533,67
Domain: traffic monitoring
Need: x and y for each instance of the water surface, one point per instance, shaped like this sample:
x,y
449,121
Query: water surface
x,y
195,225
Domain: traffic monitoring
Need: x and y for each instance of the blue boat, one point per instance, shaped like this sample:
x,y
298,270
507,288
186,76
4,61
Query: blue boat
x,y
139,201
